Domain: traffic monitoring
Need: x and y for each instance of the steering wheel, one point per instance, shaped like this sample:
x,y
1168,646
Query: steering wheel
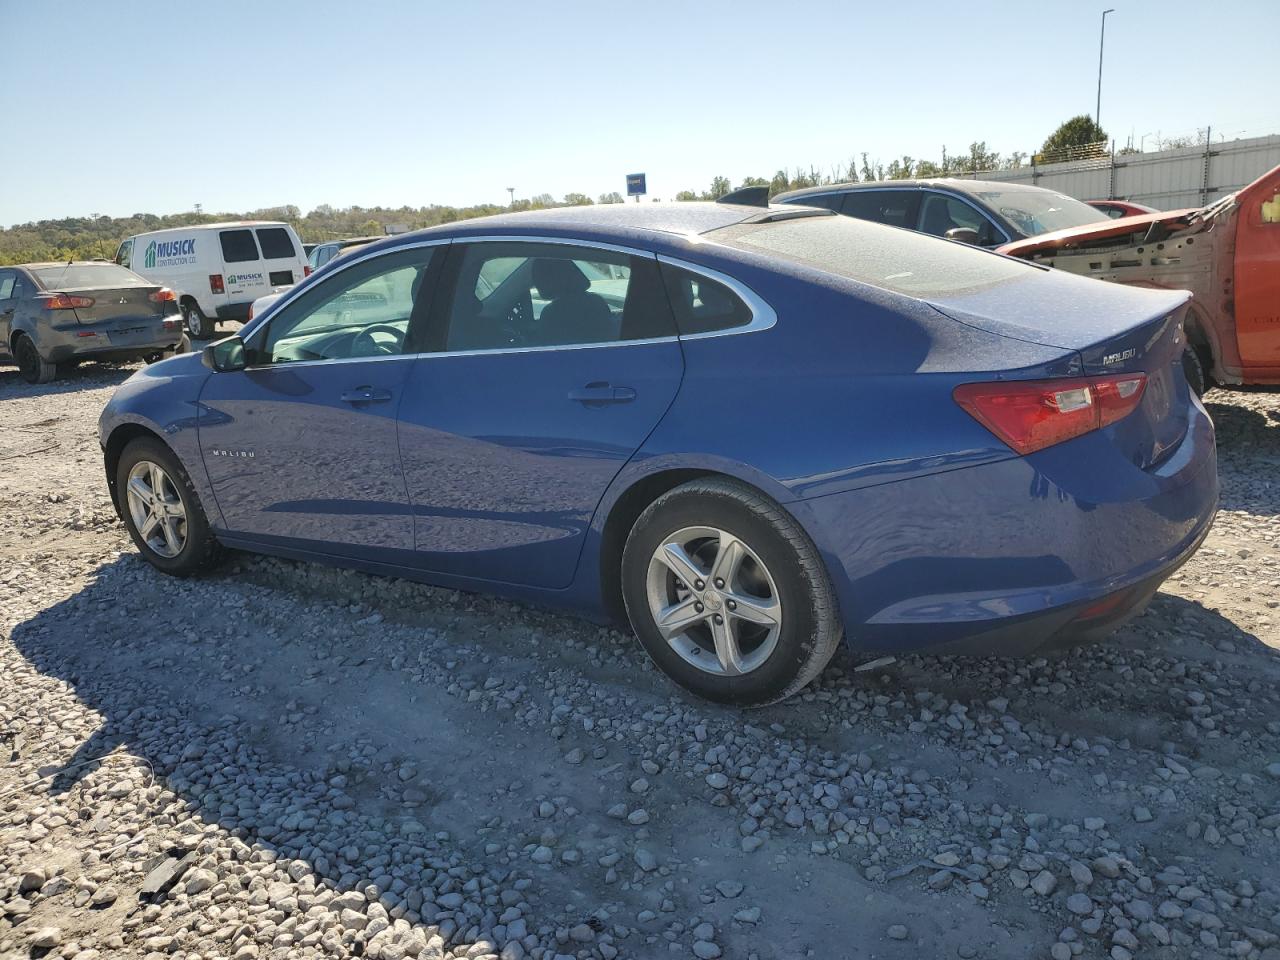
x,y
376,346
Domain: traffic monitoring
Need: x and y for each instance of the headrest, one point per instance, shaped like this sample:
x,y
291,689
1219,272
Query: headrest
x,y
558,278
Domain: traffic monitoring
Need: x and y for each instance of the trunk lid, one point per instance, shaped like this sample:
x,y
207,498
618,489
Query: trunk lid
x,y
1113,329
125,304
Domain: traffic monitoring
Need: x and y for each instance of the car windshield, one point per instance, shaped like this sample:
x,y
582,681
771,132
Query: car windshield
x,y
1035,212
81,276
903,261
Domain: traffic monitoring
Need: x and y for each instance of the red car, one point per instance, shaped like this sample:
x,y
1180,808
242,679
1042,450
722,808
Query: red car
x,y
1227,254
1115,209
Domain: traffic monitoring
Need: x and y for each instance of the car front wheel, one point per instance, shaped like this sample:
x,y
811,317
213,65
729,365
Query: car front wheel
x,y
162,511
728,594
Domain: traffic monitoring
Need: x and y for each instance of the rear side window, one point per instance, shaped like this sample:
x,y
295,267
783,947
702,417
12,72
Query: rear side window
x,y
238,246
899,260
276,244
703,305
6,286
897,208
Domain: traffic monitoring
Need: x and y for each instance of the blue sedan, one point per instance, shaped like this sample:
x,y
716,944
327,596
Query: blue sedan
x,y
746,431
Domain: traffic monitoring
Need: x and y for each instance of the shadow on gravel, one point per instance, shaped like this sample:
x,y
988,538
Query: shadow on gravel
x,y
83,375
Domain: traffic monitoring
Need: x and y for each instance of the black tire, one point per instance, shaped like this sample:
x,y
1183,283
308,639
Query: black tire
x,y
810,624
33,367
199,327
1193,366
200,550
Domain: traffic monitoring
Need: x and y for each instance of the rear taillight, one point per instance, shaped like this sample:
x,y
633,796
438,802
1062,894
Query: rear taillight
x,y
306,272
215,283
1030,415
163,295
63,301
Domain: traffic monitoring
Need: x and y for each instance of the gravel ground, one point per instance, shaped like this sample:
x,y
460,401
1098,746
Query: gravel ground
x,y
283,760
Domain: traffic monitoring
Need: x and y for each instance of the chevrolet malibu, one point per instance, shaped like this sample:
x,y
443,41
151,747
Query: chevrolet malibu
x,y
746,431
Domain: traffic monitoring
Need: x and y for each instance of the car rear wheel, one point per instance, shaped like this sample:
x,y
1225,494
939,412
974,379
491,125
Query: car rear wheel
x,y
33,367
728,594
199,326
162,511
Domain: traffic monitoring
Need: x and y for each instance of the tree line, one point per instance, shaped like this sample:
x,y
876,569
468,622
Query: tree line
x,y
84,238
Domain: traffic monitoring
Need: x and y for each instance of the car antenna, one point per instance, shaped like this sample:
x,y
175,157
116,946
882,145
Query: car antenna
x,y
748,196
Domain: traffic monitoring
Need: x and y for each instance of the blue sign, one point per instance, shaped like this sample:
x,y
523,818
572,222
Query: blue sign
x,y
635,184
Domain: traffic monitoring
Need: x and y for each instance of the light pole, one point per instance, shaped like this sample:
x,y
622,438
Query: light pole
x,y
1097,110
512,191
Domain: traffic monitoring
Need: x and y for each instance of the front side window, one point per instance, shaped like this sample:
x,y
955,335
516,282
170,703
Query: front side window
x,y
238,246
124,256
360,312
940,213
519,295
276,243
897,208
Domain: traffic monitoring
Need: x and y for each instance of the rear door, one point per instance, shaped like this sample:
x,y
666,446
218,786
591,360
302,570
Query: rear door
x,y
548,366
1257,277
281,255
244,275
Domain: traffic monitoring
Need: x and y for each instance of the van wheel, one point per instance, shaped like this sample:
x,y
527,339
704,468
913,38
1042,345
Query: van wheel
x,y
199,326
33,367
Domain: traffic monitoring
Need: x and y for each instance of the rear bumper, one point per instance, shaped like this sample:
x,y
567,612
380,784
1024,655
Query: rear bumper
x,y
101,347
1016,556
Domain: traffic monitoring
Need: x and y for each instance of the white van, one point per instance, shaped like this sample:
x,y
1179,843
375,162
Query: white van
x,y
217,269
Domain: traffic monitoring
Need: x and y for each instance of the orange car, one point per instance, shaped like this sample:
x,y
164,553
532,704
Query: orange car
x,y
1227,254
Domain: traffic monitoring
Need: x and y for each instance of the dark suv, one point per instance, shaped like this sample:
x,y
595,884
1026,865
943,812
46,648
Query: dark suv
x,y
986,213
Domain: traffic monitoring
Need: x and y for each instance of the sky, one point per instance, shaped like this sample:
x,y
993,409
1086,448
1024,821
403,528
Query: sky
x,y
131,106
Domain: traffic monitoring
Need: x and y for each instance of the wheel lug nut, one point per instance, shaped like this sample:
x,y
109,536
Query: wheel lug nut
x,y
732,605
699,585
719,584
719,619
697,607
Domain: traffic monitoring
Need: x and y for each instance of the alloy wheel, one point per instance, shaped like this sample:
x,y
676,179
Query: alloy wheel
x,y
156,509
714,601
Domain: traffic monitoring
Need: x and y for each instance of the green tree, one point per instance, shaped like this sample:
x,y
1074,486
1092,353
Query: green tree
x,y
577,200
719,187
613,196
686,196
1077,132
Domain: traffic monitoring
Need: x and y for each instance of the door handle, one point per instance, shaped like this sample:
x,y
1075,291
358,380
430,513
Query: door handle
x,y
363,395
600,392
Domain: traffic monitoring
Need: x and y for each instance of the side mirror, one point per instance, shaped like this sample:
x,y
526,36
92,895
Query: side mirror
x,y
224,356
964,235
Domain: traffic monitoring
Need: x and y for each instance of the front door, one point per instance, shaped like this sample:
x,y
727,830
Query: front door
x,y
301,446
549,366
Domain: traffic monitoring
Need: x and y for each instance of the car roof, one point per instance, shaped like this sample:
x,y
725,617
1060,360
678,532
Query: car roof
x,y
65,263
950,183
618,221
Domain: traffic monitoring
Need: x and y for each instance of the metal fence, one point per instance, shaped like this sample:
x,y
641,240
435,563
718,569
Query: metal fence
x,y
1165,179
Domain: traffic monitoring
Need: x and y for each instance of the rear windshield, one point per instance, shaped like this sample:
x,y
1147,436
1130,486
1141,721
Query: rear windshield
x,y
275,244
899,260
238,246
78,276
